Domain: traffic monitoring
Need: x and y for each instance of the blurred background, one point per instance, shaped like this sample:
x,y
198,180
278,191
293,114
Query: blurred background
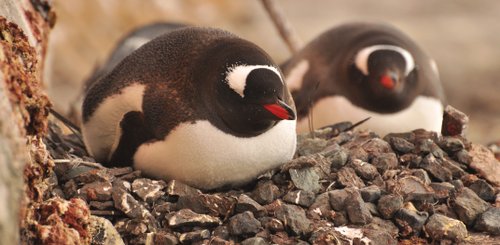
x,y
463,36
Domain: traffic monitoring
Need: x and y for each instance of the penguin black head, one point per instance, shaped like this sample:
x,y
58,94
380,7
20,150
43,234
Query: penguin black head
x,y
386,76
248,93
253,99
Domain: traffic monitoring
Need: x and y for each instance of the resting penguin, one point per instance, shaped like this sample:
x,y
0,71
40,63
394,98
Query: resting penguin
x,y
198,105
361,70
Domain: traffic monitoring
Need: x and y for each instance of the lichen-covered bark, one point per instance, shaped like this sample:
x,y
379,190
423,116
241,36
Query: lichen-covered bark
x,y
23,112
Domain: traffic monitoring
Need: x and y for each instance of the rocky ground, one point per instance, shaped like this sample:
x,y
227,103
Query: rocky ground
x,y
343,187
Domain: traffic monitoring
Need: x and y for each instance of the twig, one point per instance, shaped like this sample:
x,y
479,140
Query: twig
x,y
79,162
285,30
64,120
357,124
310,120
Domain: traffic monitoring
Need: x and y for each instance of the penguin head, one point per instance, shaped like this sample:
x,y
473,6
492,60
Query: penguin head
x,y
386,74
257,98
250,94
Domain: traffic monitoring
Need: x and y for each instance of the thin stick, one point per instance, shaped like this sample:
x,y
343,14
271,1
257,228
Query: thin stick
x,y
286,31
79,162
357,124
310,120
64,120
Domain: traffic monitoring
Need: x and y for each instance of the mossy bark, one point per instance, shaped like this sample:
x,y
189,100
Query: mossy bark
x,y
23,105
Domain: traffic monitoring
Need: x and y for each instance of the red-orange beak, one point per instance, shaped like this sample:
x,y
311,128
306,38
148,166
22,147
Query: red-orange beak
x,y
281,110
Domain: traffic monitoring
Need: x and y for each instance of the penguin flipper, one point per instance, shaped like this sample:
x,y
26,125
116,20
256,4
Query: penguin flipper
x,y
134,132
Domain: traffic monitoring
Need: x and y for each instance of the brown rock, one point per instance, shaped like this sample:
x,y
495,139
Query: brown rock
x,y
454,122
485,163
469,206
441,227
186,217
346,177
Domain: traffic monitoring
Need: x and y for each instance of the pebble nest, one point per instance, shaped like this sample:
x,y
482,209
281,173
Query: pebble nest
x,y
343,187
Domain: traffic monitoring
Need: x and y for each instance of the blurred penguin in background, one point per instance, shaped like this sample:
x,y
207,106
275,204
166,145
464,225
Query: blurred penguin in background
x,y
360,70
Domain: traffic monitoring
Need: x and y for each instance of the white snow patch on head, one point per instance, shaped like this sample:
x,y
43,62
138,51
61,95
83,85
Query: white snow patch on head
x,y
361,59
236,77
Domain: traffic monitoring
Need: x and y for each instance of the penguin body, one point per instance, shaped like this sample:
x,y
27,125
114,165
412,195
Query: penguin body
x,y
360,70
198,105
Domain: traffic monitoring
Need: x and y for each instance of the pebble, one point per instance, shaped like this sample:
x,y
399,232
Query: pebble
x,y
128,204
440,227
370,193
265,192
321,207
364,170
389,204
485,163
245,203
484,190
305,179
340,218
489,221
435,168
177,188
302,198
379,237
103,232
411,160
422,175
308,146
442,189
469,206
148,190
412,188
161,238
338,158
385,161
186,217
96,191
295,219
337,199
451,144
376,147
93,175
463,157
101,205
194,236
372,207
192,202
254,241
454,122
222,232
357,211
454,167
356,152
409,220
243,224
385,225
346,177
401,145
272,224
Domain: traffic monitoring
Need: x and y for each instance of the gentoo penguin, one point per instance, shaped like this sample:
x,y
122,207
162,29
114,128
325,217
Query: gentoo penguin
x,y
361,70
198,105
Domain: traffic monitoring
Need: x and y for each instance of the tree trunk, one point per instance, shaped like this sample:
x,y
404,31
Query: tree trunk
x,y
23,106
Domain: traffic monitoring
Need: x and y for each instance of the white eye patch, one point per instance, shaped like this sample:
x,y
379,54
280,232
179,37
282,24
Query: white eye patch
x,y
362,56
236,77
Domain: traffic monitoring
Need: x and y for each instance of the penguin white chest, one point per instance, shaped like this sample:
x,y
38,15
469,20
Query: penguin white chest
x,y
424,112
203,156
